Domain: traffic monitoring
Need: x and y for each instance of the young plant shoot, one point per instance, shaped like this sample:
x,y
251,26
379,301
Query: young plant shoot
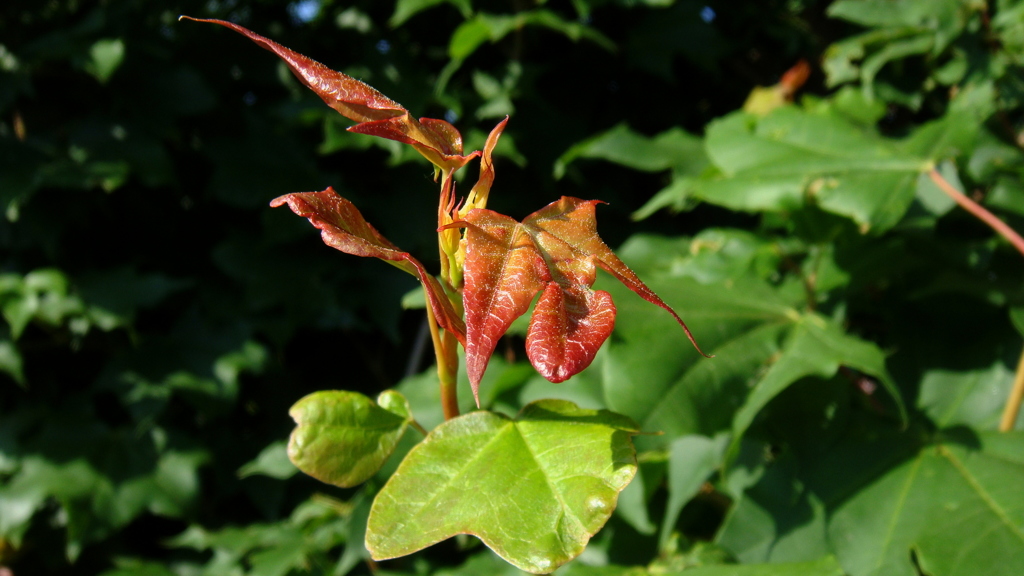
x,y
536,487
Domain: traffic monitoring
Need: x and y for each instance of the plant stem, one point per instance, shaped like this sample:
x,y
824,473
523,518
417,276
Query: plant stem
x,y
1013,402
447,370
449,376
419,427
974,208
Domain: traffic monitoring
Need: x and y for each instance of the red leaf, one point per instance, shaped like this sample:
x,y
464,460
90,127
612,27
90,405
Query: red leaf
x,y
343,227
570,225
478,195
503,274
555,250
377,114
442,145
353,99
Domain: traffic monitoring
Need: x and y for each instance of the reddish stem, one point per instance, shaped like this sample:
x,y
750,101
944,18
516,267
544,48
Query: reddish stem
x,y
1013,403
978,210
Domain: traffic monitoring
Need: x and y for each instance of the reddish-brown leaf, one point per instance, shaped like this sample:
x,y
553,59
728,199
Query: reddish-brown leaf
x,y
572,222
377,114
437,140
478,195
353,99
343,227
504,272
555,251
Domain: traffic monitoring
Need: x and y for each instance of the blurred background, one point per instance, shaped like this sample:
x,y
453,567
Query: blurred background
x,y
159,318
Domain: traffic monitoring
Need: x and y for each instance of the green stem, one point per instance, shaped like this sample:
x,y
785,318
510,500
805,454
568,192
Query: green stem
x,y
447,369
1013,402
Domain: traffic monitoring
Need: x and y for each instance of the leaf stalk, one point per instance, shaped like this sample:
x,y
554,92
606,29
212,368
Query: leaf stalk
x,y
978,210
1012,408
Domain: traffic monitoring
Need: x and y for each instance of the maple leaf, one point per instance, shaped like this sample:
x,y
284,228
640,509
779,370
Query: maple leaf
x,y
376,114
555,251
343,227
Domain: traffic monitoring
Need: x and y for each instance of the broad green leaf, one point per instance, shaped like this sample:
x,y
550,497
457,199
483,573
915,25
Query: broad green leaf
x,y
778,519
946,18
972,398
692,460
815,347
343,438
534,489
954,503
792,157
477,30
645,369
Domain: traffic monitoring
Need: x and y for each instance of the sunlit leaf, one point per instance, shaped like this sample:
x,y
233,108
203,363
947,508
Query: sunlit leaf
x,y
954,505
375,113
555,251
343,438
534,489
343,227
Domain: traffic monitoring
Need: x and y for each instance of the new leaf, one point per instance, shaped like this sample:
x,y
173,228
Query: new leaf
x,y
378,115
554,251
343,227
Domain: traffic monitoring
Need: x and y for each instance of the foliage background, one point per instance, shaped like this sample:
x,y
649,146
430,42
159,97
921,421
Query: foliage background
x,y
159,319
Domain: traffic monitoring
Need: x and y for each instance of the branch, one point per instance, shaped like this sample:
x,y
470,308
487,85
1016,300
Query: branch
x,y
978,210
1013,403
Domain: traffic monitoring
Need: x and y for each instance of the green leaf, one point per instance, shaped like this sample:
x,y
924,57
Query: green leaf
x,y
645,368
778,519
405,9
10,361
105,57
955,504
673,148
692,459
816,347
534,489
272,461
966,398
474,32
792,157
827,566
343,438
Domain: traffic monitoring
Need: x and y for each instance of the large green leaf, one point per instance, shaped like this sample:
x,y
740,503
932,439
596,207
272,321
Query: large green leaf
x,y
966,398
815,347
953,505
343,438
534,489
792,157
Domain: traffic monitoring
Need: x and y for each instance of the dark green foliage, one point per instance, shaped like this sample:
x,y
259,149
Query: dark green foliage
x,y
158,319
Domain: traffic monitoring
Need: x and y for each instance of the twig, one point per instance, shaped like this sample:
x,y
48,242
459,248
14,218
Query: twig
x,y
1013,402
974,208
